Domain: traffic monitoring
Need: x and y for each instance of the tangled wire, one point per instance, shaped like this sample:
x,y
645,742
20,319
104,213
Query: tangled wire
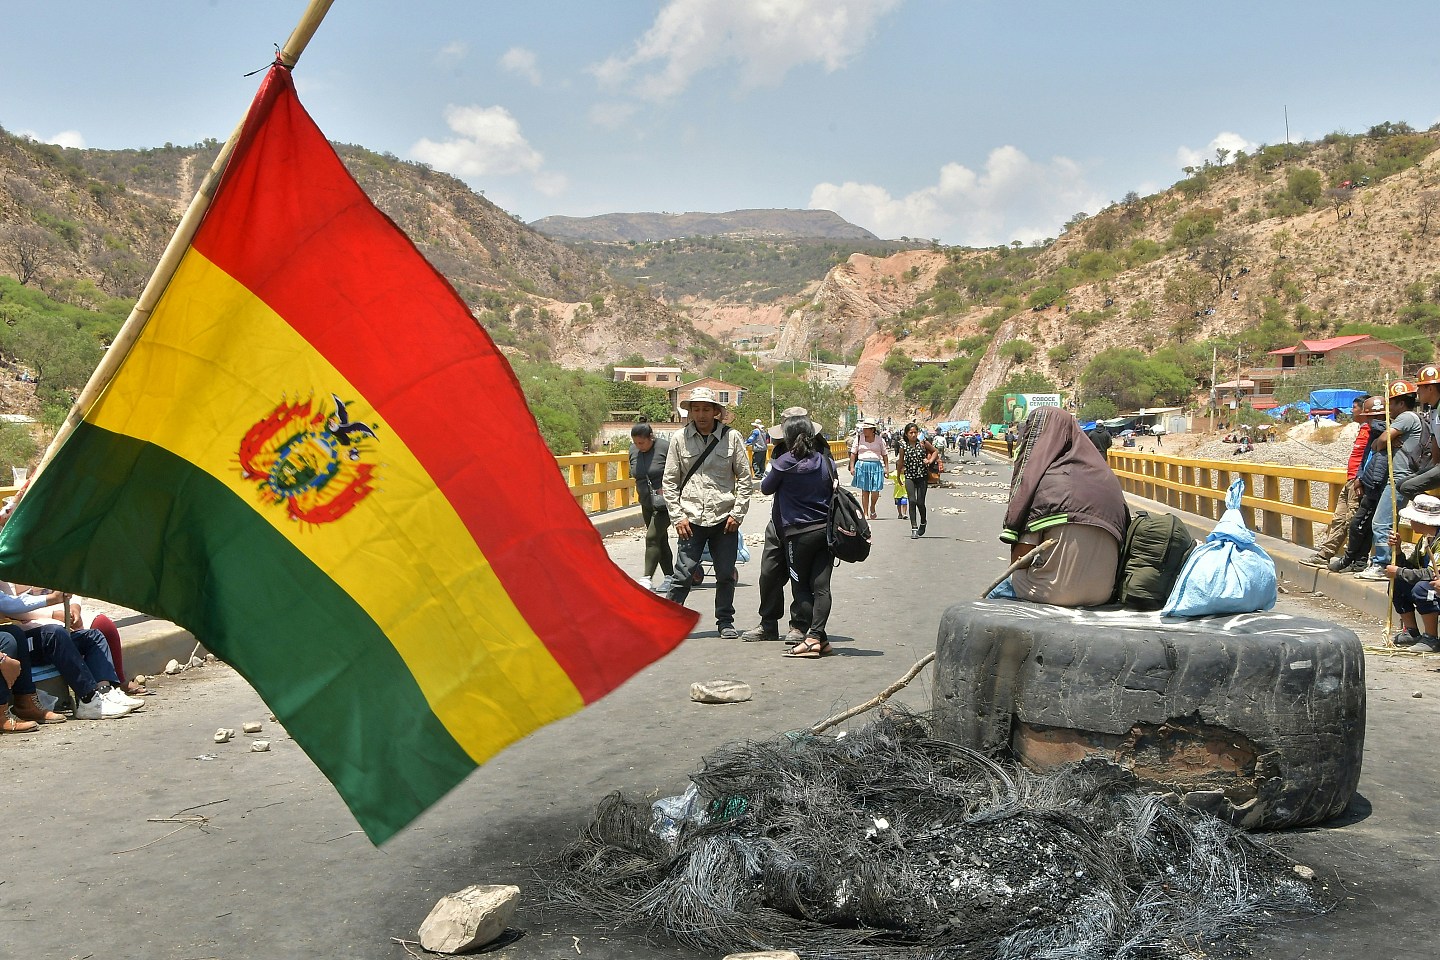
x,y
888,843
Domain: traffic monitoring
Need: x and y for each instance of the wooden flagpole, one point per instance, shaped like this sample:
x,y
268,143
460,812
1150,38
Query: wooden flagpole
x,y
170,259
1394,520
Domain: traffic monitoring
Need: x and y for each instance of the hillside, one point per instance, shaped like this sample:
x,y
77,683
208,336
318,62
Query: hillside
x,y
88,225
1239,257
652,227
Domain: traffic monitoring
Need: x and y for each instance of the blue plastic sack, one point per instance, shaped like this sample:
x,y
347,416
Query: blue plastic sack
x,y
1228,573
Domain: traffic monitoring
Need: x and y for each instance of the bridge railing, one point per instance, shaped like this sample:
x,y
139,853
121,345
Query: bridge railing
x,y
602,481
1280,501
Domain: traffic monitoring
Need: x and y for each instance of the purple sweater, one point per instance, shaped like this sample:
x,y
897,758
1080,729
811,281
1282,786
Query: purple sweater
x,y
801,489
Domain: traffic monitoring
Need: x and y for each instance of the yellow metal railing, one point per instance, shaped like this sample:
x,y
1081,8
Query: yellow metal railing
x,y
1280,501
602,481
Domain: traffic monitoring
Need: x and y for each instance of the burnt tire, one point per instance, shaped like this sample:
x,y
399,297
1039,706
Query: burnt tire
x,y
1258,718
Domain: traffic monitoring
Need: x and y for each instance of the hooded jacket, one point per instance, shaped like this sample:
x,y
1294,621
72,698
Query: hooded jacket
x,y
1060,477
802,489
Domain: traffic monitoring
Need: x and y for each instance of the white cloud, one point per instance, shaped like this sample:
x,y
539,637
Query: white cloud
x,y
763,38
488,143
452,53
1226,140
65,138
1013,198
521,62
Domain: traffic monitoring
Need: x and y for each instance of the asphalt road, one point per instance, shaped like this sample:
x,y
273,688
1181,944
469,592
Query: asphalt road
x,y
143,838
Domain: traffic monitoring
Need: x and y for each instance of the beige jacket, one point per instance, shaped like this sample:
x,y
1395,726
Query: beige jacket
x,y
719,489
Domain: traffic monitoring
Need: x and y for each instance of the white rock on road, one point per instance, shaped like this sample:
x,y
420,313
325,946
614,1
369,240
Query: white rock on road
x,y
470,918
720,691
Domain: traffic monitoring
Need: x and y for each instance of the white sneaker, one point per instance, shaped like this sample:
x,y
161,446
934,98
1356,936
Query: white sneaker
x,y
99,708
118,696
1372,572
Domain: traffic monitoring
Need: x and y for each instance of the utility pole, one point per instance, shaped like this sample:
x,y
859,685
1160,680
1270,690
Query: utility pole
x,y
1214,394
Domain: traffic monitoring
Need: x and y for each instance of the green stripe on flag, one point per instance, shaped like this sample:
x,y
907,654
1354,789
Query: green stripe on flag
x,y
149,530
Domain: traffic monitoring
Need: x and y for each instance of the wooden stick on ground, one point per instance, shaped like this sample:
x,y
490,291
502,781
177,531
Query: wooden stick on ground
x,y
925,661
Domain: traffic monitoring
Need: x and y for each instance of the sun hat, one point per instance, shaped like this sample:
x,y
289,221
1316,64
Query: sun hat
x,y
1400,388
700,395
867,423
1423,509
777,432
757,423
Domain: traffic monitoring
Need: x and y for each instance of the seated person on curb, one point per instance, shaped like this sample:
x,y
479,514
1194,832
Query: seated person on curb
x,y
1062,489
1374,476
14,674
1332,541
82,658
28,605
1414,576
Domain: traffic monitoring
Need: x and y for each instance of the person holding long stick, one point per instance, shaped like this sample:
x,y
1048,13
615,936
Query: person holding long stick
x,y
1403,442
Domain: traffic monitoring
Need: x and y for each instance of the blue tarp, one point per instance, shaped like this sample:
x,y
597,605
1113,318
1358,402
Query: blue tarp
x,y
1335,399
1300,405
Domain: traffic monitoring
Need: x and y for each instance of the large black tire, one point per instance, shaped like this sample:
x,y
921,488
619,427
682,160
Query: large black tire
x,y
1258,718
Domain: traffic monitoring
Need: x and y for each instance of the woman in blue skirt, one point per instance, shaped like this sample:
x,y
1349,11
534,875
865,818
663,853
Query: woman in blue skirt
x,y
869,462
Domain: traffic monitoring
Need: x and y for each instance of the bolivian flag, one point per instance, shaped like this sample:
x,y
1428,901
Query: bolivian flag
x,y
316,460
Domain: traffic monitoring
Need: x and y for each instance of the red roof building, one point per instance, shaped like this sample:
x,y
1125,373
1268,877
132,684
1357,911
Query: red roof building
x,y
1315,353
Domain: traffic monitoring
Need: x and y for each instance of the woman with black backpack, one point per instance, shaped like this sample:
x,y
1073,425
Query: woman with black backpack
x,y
802,480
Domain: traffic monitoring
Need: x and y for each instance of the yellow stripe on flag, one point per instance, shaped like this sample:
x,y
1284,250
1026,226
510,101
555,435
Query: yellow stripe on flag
x,y
195,385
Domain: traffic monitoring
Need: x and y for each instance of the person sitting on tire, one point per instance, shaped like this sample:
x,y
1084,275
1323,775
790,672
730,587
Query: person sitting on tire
x,y
1062,489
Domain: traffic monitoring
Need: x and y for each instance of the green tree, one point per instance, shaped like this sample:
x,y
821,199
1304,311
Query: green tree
x,y
897,362
1304,184
1188,291
1018,350
17,447
1131,380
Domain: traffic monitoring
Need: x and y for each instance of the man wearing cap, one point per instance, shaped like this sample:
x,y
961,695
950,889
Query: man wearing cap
x,y
707,490
758,442
1405,442
1427,386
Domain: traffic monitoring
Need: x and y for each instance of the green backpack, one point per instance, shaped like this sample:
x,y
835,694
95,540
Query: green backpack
x,y
1154,550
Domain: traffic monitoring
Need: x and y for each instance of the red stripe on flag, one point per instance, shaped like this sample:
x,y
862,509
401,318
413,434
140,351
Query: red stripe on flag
x,y
292,226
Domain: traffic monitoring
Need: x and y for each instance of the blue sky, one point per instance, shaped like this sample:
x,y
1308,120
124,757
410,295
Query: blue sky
x,y
972,121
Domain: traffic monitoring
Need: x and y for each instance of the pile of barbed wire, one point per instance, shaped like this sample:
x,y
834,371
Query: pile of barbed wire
x,y
889,843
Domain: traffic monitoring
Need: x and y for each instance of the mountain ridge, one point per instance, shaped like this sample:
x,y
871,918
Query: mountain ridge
x,y
751,223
